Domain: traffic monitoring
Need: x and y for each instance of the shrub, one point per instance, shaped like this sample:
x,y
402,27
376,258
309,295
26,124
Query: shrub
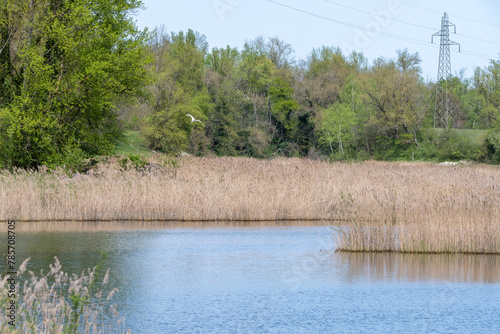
x,y
132,161
493,146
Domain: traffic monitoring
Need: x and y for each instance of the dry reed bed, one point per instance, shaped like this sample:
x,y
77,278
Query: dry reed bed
x,y
409,207
129,225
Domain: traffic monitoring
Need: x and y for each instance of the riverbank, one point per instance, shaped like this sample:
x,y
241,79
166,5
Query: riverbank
x,y
379,206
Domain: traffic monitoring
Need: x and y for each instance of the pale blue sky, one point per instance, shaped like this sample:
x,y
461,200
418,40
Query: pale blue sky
x,y
231,22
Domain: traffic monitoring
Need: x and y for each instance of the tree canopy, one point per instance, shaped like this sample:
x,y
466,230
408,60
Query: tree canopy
x,y
63,66
75,73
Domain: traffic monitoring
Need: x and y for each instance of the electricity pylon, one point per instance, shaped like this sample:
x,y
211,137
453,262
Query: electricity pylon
x,y
444,110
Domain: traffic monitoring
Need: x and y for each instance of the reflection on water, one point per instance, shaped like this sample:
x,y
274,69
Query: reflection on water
x,y
419,267
95,226
269,277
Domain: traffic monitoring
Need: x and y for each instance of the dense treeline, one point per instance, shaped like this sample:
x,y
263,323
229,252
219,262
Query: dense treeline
x,y
72,81
260,102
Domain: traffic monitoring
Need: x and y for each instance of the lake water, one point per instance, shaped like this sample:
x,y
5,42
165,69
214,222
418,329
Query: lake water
x,y
242,278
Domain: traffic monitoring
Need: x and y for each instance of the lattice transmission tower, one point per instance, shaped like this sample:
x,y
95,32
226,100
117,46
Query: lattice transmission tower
x,y
444,112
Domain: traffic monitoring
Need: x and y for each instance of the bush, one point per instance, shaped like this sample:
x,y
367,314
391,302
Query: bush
x,y
449,145
492,144
132,161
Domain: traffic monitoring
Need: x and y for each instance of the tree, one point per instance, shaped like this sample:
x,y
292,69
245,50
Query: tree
x,y
394,91
325,76
63,65
336,123
407,62
283,107
226,122
486,83
279,52
178,90
223,61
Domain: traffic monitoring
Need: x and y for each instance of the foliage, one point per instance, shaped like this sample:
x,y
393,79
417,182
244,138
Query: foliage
x,y
283,108
260,102
450,145
71,84
336,123
62,66
178,91
393,91
493,146
132,161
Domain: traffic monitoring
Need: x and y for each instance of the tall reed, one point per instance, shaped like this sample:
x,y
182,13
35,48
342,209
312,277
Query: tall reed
x,y
410,207
459,215
60,303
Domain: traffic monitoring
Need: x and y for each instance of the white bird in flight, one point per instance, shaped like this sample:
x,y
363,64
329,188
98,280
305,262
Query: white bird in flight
x,y
195,120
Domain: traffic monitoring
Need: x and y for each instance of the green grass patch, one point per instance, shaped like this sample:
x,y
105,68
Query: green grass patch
x,y
132,144
476,137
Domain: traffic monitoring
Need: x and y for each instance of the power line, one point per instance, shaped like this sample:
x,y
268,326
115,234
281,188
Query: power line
x,y
403,38
477,21
476,54
459,17
316,15
398,37
478,39
422,8
382,16
405,22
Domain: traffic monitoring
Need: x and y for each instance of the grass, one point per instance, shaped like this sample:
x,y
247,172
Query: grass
x,y
378,206
58,302
132,144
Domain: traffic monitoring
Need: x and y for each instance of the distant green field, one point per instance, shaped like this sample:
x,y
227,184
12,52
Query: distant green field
x,y
476,137
132,145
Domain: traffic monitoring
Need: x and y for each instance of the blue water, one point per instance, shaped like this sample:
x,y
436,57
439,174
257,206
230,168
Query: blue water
x,y
276,280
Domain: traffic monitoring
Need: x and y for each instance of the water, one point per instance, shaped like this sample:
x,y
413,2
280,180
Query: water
x,y
271,279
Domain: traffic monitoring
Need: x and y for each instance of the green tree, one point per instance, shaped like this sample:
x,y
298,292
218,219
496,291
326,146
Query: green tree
x,y
394,91
225,121
336,123
326,74
178,90
63,65
486,83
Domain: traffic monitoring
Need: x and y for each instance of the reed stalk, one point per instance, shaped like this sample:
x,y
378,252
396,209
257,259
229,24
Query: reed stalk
x,y
58,302
377,206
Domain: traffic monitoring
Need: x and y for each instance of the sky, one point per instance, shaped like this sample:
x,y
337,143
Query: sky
x,y
377,28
